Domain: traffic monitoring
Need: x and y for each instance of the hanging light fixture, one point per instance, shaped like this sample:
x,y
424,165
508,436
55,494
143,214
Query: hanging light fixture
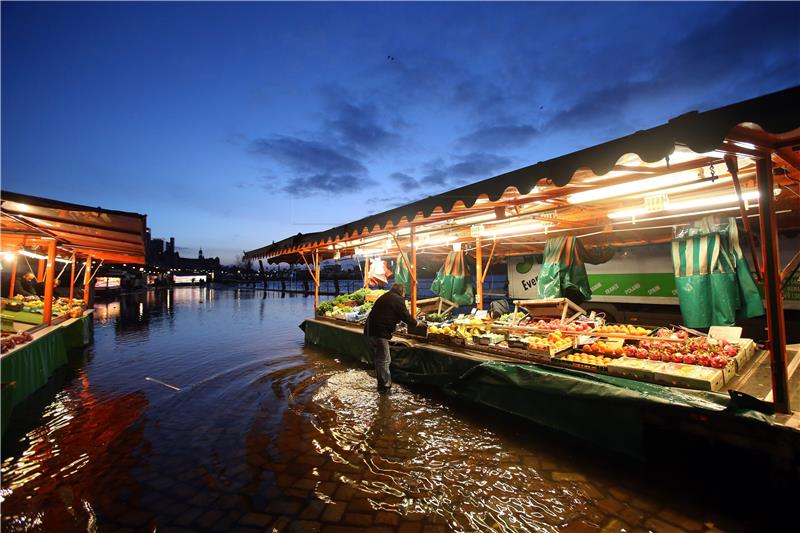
x,y
696,203
635,187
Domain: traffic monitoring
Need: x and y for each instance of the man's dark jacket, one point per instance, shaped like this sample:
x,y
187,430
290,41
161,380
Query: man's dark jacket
x,y
388,310
25,287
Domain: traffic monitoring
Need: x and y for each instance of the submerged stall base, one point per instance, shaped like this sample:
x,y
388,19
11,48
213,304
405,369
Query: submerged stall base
x,y
28,367
630,417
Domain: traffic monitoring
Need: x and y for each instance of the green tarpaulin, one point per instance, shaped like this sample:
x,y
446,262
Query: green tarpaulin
x,y
713,281
563,274
401,273
25,317
30,366
599,408
453,281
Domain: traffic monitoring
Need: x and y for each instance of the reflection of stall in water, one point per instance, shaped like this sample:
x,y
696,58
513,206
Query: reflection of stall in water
x,y
707,187
52,252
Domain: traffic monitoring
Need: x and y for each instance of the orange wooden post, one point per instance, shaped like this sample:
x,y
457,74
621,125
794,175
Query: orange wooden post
x,y
13,278
72,280
48,282
479,272
316,280
413,274
40,273
773,299
87,277
366,272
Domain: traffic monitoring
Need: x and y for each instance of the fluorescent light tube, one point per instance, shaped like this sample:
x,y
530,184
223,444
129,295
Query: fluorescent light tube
x,y
686,204
634,187
515,229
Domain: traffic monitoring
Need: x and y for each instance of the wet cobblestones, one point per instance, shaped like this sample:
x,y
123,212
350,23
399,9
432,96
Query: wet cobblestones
x,y
299,443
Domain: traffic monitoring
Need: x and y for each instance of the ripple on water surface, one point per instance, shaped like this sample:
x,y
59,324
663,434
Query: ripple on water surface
x,y
267,433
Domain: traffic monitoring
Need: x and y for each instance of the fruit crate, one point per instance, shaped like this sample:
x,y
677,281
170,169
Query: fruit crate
x,y
517,344
632,368
747,349
577,365
439,338
690,376
550,352
651,330
488,339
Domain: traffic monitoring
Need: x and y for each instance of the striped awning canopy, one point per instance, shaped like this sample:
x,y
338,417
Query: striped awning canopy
x,y
691,147
107,235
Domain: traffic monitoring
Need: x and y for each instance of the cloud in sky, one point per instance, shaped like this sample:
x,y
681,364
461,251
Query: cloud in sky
x,y
252,105
306,156
499,136
405,181
358,125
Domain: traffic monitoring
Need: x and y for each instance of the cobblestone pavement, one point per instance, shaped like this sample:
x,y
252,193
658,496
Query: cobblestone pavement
x,y
272,436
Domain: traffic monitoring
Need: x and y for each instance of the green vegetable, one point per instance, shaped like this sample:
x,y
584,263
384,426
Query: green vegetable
x,y
437,317
325,307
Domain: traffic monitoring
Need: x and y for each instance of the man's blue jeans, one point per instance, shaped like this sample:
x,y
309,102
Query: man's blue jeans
x,y
382,359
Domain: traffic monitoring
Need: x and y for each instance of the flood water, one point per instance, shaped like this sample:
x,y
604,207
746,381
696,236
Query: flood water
x,y
265,433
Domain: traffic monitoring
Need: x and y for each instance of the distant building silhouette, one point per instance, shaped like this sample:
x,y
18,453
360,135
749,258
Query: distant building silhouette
x,y
162,253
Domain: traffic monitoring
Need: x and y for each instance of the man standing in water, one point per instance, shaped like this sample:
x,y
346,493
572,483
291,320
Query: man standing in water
x,y
388,310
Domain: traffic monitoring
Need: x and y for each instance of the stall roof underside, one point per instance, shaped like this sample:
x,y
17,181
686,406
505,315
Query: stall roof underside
x,y
696,142
111,236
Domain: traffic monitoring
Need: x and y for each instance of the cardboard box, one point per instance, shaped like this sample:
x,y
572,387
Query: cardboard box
x,y
747,349
633,368
690,376
578,365
729,372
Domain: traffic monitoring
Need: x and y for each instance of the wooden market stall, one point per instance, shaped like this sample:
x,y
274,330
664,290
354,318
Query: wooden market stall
x,y
47,238
740,161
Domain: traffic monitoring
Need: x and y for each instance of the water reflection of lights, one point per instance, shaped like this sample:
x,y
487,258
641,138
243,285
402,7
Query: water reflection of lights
x,y
141,310
107,311
421,460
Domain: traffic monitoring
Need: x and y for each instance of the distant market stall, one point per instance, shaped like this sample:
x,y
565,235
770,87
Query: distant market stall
x,y
47,247
714,187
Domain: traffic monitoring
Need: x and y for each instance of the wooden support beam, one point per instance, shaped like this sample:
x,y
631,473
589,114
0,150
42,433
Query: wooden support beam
x,y
790,269
366,271
40,273
413,272
87,277
308,267
48,283
72,280
790,156
479,272
489,262
776,327
733,168
316,280
13,279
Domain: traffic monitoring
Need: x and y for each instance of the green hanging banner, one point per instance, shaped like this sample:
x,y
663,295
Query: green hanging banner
x,y
713,281
453,281
563,274
401,273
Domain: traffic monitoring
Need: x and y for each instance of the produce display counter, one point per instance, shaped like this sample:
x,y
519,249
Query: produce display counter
x,y
609,410
28,366
24,317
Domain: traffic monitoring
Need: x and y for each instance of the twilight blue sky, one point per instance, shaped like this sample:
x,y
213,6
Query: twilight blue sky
x,y
232,125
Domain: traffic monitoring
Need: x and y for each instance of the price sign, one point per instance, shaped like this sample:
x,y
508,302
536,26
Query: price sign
x,y
725,333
